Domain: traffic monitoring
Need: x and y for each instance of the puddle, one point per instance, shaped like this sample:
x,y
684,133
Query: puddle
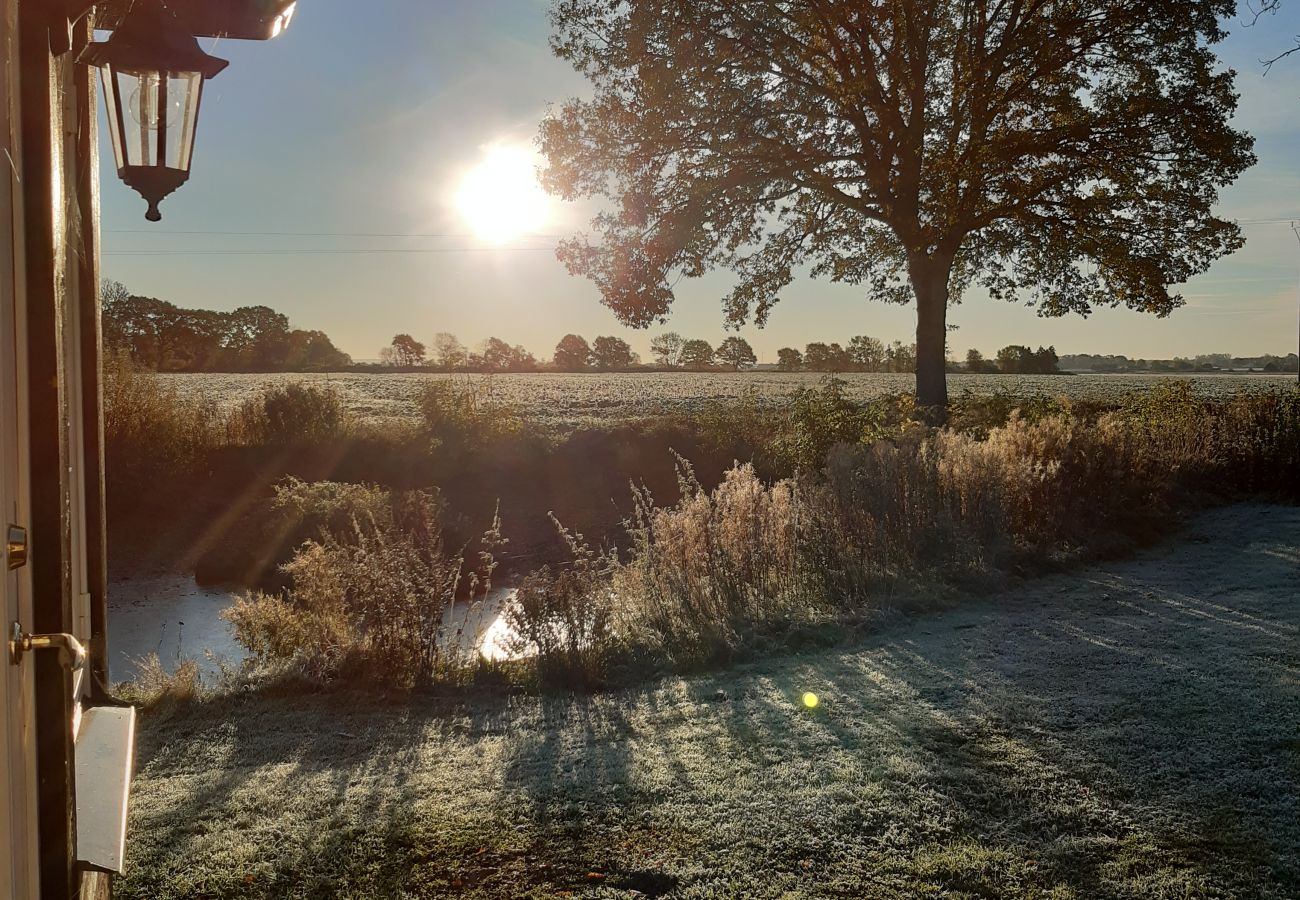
x,y
177,619
171,616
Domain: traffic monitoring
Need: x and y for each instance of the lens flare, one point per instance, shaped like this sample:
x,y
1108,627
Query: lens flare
x,y
810,700
500,198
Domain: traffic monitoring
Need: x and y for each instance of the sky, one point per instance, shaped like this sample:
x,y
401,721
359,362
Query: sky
x,y
353,131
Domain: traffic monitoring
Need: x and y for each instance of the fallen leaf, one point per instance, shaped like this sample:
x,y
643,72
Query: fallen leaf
x,y
595,876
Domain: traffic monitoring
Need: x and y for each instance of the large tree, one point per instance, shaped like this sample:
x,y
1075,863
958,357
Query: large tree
x,y
611,354
667,349
867,353
1058,152
697,354
406,351
572,354
448,351
736,352
823,357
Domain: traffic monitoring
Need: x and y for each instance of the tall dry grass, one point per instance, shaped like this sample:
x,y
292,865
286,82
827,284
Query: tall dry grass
x,y
720,571
290,414
373,601
150,434
705,572
561,620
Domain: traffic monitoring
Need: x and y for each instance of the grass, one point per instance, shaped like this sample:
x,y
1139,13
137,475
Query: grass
x,y
1124,731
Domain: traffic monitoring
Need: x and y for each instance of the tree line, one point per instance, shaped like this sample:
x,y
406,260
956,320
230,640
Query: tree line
x,y
1015,360
672,351
446,353
1205,362
862,354
867,354
573,353
167,338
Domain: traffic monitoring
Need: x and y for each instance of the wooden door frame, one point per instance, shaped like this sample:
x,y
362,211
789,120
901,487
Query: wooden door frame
x,y
19,796
61,265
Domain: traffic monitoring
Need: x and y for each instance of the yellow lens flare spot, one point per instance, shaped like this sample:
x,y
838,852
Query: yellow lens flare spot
x,y
810,700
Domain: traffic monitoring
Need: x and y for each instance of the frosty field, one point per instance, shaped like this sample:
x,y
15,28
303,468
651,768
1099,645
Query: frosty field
x,y
565,401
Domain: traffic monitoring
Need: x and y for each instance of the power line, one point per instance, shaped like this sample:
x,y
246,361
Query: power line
x,y
323,251
364,234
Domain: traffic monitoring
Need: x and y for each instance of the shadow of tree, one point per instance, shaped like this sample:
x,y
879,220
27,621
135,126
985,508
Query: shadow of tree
x,y
1125,731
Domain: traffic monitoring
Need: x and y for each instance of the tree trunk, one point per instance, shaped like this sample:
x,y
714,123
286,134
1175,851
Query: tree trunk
x,y
930,284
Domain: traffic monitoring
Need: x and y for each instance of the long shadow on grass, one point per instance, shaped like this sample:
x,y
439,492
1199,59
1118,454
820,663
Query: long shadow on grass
x,y
1129,731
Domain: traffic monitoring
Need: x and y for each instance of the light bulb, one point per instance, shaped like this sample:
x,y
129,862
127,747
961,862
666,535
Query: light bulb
x,y
143,104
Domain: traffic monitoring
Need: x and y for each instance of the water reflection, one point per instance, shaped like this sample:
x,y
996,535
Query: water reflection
x,y
178,619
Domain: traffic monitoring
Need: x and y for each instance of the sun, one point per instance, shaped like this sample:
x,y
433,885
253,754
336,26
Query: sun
x,y
500,198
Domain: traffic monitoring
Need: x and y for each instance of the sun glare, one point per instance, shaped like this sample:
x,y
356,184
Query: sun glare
x,y
500,198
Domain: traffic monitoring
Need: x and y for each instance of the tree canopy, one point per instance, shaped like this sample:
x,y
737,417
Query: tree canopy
x,y
667,349
697,354
162,336
448,351
612,353
496,355
404,351
1064,154
572,354
736,352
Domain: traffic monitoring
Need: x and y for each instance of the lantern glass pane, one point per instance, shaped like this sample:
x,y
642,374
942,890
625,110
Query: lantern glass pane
x,y
182,94
158,112
137,94
112,109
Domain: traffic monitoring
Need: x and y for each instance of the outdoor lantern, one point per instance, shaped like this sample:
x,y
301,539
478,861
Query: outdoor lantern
x,y
153,72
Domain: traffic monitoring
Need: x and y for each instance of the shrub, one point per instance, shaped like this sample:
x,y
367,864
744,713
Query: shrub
x,y
878,515
1250,442
743,425
1258,442
376,602
314,509
295,413
708,570
561,620
150,434
816,420
1057,480
465,417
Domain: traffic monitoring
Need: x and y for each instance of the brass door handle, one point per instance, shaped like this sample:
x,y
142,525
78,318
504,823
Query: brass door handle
x,y
69,647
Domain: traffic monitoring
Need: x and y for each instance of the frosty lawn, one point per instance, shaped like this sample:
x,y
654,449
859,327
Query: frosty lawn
x,y
1131,730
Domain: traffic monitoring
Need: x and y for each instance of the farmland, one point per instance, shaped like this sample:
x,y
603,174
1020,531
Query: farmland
x,y
568,401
